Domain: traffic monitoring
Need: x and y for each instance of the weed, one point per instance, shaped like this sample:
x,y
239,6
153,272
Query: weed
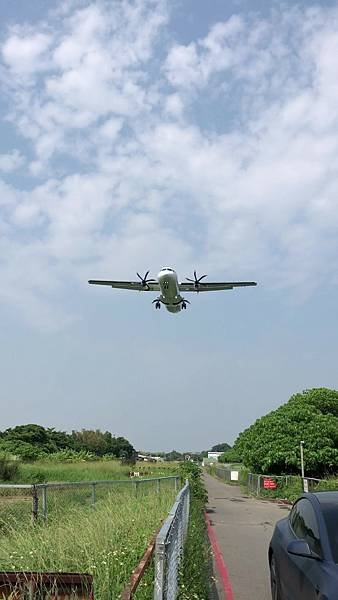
x,y
195,570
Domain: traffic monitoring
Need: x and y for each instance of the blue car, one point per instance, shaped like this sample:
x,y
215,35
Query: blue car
x,y
303,552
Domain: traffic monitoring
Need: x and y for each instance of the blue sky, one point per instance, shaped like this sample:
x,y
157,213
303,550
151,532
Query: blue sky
x,y
139,134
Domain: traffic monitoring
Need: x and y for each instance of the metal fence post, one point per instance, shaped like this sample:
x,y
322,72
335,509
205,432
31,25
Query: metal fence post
x,y
35,504
258,485
176,484
44,502
94,493
159,570
158,486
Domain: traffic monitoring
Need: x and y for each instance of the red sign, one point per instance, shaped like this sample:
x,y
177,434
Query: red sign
x,y
269,484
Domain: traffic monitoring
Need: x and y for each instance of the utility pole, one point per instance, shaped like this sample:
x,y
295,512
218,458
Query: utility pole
x,y
305,483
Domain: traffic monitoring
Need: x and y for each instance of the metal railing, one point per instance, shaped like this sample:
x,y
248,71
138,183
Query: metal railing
x,y
44,500
169,547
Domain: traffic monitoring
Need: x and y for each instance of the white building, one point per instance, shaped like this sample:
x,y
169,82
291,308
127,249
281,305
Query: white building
x,y
214,455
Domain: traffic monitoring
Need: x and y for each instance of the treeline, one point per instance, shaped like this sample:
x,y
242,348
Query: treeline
x,y
33,442
272,443
195,456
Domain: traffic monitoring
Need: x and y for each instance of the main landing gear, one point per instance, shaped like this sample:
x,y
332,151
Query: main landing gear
x,y
157,303
184,304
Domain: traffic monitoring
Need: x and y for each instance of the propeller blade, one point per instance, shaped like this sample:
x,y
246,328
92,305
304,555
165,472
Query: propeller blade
x,y
196,281
144,279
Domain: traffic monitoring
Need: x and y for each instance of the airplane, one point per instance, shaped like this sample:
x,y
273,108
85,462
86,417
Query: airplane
x,y
169,287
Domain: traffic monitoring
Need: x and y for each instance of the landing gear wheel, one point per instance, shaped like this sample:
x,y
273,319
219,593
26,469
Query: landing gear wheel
x,y
274,580
184,306
158,305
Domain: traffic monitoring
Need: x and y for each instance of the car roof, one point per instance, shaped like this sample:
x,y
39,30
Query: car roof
x,y
327,497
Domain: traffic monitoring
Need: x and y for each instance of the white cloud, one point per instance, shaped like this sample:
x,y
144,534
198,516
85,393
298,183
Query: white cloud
x,y
132,173
25,54
93,67
11,162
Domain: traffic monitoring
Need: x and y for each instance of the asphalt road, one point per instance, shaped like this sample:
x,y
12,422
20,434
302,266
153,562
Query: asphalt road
x,y
243,526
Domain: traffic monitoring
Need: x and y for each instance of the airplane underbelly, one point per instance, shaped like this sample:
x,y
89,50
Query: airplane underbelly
x,y
169,288
173,308
170,291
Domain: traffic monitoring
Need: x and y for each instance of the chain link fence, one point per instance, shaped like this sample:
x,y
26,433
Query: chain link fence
x,y
233,476
19,503
169,547
16,505
266,485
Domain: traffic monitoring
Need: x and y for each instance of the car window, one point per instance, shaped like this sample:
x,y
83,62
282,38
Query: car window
x,y
304,524
330,514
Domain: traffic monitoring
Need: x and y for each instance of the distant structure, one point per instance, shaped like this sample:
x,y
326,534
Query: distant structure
x,y
149,458
211,458
214,455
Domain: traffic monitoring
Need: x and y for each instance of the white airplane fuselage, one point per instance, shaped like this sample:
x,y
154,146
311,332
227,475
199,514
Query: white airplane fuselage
x,y
170,295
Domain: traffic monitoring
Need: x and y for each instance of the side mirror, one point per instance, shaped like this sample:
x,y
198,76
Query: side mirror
x,y
302,548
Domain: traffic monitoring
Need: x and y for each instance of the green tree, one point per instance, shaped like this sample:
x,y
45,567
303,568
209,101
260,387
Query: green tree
x,y
102,443
230,456
31,442
31,434
174,455
271,444
223,447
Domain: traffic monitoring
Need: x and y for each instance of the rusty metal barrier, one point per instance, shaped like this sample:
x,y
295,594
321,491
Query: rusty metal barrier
x,y
59,586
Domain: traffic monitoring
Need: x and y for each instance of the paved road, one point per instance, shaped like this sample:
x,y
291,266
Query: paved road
x,y
243,528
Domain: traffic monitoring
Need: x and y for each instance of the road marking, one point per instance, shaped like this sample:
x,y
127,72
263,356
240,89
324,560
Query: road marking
x,y
223,571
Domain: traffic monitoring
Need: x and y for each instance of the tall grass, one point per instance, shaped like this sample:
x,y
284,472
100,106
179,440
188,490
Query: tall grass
x,y
47,471
106,540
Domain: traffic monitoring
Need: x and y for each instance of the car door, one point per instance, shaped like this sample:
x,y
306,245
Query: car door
x,y
304,575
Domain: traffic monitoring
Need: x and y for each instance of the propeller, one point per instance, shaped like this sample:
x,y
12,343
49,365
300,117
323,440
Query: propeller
x,y
197,280
145,281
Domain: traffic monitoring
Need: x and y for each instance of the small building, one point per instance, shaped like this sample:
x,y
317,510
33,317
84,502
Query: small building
x,y
214,455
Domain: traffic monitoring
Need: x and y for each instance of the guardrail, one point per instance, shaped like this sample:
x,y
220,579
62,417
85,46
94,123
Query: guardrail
x,y
169,547
47,498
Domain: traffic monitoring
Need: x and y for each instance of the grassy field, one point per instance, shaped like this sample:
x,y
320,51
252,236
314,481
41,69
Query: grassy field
x,y
44,471
106,540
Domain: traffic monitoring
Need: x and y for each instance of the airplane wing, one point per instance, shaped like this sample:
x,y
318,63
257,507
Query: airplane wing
x,y
213,287
127,285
